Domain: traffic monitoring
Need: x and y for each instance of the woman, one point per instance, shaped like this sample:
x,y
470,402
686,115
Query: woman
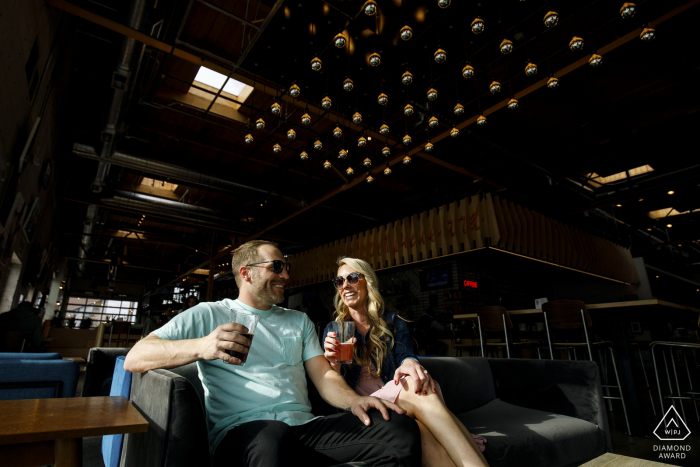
x,y
383,349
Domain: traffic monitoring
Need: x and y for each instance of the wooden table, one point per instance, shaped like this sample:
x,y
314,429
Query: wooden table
x,y
599,306
615,460
50,431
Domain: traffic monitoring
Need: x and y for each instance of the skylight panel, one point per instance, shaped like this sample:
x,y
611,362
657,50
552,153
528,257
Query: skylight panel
x,y
596,180
216,80
159,184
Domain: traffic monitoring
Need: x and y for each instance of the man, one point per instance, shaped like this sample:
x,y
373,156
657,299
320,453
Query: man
x,y
24,319
260,414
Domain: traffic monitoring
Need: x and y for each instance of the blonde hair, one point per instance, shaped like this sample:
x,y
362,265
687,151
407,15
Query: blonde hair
x,y
377,344
246,254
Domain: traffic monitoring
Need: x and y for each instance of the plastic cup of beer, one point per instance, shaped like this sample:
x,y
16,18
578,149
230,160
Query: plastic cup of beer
x,y
345,331
248,319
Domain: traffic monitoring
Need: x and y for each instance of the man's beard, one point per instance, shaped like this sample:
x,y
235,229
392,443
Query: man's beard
x,y
263,291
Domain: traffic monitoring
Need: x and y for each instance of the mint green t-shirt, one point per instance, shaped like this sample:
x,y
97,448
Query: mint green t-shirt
x,y
271,385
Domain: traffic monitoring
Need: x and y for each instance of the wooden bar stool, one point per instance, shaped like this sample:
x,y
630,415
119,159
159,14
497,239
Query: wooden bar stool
x,y
567,315
497,319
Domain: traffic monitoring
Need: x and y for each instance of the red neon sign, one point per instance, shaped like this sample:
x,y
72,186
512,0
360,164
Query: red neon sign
x,y
471,284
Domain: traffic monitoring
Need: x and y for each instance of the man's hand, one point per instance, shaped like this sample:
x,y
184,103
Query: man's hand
x,y
421,378
362,404
222,339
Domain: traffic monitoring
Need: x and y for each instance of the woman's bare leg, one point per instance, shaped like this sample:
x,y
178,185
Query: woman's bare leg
x,y
432,412
433,454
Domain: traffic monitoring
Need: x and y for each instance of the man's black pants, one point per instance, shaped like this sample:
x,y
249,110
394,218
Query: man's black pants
x,y
326,441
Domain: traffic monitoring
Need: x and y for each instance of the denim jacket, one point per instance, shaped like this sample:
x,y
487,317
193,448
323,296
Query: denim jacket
x,y
401,350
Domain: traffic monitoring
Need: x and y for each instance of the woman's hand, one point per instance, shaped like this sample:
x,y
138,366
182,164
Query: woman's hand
x,y
419,374
330,347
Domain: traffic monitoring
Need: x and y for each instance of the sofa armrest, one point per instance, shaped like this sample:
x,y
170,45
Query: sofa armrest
x,y
177,433
563,387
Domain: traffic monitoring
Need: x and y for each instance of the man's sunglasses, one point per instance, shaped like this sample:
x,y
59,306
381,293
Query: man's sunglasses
x,y
277,266
352,279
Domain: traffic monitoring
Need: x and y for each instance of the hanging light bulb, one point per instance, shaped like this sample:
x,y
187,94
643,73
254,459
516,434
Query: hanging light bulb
x,y
342,154
429,146
595,61
326,102
444,3
349,171
294,91
357,118
248,138
628,10
454,132
326,165
408,110
337,132
362,142
384,129
383,99
306,119
340,40
530,69
433,122
375,59
407,78
260,124
513,104
551,19
495,87
277,148
459,109
406,139
276,108
440,56
304,156
506,46
576,44
406,33
481,121
647,35
387,170
316,64
348,84
386,151
553,83
432,94
367,162
318,145
370,8
406,160
369,179
477,26
468,71
291,134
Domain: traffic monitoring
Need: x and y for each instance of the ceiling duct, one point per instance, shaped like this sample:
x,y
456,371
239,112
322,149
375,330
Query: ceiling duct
x,y
86,243
181,174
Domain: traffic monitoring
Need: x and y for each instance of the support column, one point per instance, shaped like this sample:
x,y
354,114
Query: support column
x,y
53,298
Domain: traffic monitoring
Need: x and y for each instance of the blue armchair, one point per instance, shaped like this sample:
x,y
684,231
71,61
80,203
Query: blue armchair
x,y
37,379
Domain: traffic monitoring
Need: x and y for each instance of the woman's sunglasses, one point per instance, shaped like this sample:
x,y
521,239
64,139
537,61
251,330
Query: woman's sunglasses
x,y
352,279
277,265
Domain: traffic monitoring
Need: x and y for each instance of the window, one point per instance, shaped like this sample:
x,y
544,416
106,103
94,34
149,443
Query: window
x,y
158,184
667,212
215,80
98,311
596,180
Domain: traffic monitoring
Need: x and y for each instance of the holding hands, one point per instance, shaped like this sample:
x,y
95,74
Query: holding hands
x,y
223,341
423,381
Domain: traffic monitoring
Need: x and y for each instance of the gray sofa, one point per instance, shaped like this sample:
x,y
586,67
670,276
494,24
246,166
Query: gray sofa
x,y
532,412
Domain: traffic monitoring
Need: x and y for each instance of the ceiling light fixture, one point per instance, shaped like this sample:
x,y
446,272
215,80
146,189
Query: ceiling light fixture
x,y
481,121
316,64
407,78
406,139
248,138
477,26
304,156
406,32
429,146
459,109
432,94
433,122
362,142
337,132
468,71
595,61
454,132
306,119
530,69
294,91
648,35
318,145
326,165
444,3
406,160
369,179
342,154
408,110
326,102
367,162
669,225
340,40
628,10
349,171
384,129
495,87
291,134
671,192
277,148
370,8
576,44
386,151
260,124
553,82
387,170
383,99
551,19
348,84
513,104
276,108
375,59
506,46
357,118
440,56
